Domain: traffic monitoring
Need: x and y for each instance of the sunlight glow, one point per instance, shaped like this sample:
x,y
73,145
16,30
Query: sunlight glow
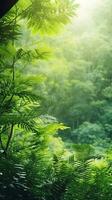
x,y
86,6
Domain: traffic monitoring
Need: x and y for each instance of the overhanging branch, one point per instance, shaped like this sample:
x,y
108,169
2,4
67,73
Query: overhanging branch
x,y
5,6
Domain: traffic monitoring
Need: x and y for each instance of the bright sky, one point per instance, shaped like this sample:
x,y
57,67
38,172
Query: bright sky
x,y
86,6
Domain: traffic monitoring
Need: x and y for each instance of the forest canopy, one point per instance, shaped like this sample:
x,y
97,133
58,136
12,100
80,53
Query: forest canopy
x,y
56,100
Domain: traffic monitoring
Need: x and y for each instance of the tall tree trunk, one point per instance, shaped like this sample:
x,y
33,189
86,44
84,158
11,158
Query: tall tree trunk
x,y
5,6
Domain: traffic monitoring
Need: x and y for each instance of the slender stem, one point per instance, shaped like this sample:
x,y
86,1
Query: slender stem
x,y
9,139
14,59
13,69
5,148
4,129
13,80
3,99
2,146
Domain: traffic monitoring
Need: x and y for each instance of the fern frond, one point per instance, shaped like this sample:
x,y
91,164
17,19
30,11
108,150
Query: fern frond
x,y
48,15
24,121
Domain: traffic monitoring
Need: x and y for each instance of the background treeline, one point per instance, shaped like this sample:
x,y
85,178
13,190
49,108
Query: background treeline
x,y
55,102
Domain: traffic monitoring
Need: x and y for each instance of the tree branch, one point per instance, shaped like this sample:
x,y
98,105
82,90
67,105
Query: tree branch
x,y
5,6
